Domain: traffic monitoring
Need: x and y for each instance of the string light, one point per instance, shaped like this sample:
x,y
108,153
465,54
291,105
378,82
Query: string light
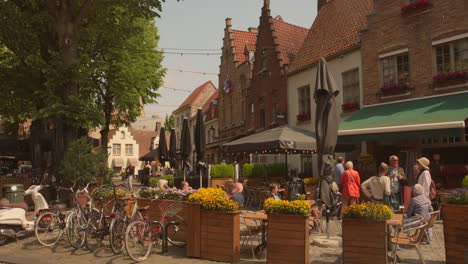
x,y
195,72
176,89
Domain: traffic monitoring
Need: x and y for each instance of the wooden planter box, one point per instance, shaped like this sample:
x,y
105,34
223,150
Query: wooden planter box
x,y
364,241
218,182
288,239
212,235
311,191
455,233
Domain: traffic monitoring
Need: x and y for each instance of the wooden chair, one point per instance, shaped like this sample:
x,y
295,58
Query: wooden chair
x,y
250,231
315,222
410,235
430,224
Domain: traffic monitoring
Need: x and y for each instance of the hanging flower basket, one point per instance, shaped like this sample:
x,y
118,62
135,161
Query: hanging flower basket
x,y
415,7
351,106
393,89
452,78
303,117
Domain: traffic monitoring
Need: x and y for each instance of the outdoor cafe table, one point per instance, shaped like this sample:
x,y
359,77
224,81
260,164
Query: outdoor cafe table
x,y
397,222
259,216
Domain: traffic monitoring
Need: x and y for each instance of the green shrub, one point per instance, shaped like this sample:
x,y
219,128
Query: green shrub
x,y
465,182
169,178
222,171
257,170
276,169
247,169
153,182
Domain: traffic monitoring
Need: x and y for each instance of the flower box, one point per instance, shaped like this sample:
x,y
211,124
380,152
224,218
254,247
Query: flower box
x,y
350,106
364,241
447,79
393,89
414,7
288,239
455,218
303,117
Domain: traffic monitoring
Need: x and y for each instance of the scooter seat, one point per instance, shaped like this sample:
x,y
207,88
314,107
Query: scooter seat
x,y
22,205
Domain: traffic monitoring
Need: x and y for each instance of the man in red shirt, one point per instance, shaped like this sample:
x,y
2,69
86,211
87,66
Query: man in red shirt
x,y
351,184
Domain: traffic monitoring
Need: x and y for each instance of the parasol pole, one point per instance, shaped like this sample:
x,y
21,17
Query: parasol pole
x,y
183,169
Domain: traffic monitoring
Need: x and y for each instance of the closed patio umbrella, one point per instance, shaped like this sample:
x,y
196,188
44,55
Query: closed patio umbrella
x,y
200,143
327,120
173,148
162,146
185,143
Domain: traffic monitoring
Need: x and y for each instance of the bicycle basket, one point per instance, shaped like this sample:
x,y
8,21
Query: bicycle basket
x,y
170,207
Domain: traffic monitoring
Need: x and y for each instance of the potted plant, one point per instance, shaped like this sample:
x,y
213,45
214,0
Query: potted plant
x,y
454,212
351,106
220,173
213,231
288,231
303,117
80,166
393,89
311,185
452,78
106,194
365,233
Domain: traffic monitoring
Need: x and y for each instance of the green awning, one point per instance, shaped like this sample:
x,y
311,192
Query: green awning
x,y
429,117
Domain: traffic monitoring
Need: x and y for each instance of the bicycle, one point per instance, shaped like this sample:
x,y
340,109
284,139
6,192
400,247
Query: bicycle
x,y
78,218
141,235
125,211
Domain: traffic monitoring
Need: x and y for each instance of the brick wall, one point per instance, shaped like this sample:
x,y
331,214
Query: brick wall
x,y
389,30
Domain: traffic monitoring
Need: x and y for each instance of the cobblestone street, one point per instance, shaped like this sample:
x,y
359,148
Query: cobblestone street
x,y
28,250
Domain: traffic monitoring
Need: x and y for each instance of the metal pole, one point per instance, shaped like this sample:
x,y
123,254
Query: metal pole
x,y
327,214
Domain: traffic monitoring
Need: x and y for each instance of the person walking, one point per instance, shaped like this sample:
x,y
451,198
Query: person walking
x,y
377,187
351,183
338,171
129,172
424,178
396,175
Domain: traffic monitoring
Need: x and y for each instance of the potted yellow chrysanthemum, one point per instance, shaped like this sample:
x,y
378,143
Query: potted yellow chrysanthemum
x,y
288,231
213,226
365,233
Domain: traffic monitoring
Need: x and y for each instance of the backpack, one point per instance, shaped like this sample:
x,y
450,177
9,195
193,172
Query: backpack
x,y
432,191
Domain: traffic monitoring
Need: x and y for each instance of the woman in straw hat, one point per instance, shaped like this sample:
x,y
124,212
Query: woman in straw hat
x,y
424,177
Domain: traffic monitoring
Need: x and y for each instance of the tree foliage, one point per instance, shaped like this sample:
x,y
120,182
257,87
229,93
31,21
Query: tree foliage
x,y
169,122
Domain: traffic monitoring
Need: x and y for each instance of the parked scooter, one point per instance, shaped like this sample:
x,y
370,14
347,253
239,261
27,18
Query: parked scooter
x,y
13,221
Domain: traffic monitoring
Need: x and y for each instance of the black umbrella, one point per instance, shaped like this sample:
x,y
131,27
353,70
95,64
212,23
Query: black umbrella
x,y
327,120
162,146
173,148
185,143
200,142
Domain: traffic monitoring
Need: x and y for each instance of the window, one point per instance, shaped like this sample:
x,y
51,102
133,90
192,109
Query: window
x,y
395,69
116,149
351,86
262,118
304,101
122,135
128,149
306,165
452,56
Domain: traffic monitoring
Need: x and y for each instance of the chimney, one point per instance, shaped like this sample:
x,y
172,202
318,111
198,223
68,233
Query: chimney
x,y
266,8
253,30
228,22
321,3
158,127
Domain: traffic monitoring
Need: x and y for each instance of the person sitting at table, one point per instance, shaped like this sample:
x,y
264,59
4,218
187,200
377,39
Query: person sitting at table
x,y
234,192
376,187
419,204
274,192
184,186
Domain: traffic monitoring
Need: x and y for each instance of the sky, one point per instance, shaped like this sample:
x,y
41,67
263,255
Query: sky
x,y
199,24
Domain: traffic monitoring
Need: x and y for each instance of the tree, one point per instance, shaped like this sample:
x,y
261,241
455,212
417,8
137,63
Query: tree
x,y
48,52
169,123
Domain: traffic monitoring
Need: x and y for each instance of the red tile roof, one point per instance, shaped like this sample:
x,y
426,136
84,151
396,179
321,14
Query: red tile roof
x,y
336,29
289,38
241,39
143,138
196,98
206,106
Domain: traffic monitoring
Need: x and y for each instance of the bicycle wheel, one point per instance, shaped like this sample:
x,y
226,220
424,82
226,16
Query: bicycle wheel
x,y
175,231
48,229
94,232
76,229
117,234
139,240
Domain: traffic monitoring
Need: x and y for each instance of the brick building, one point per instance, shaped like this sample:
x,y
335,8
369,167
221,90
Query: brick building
x,y
415,83
235,74
277,44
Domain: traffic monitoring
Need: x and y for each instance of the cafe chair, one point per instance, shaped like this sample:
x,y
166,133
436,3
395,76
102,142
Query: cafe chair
x,y
250,232
430,224
410,235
